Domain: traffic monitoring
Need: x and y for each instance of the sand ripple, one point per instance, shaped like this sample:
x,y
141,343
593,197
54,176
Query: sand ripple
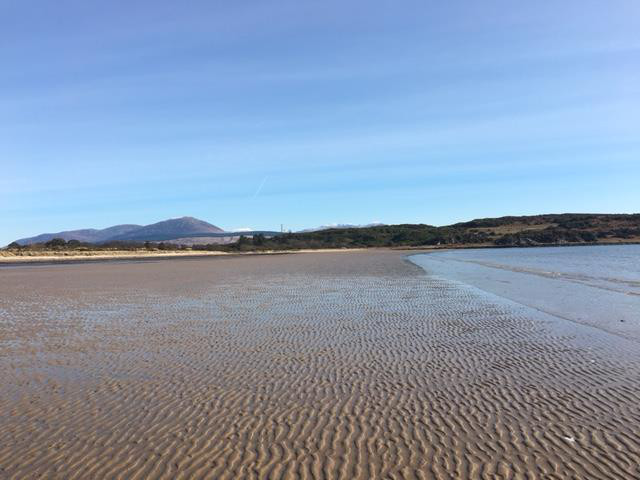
x,y
351,366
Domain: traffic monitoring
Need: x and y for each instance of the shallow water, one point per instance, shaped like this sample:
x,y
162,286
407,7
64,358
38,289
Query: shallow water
x,y
597,286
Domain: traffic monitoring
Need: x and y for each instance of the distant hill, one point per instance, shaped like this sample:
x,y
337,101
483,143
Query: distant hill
x,y
89,235
525,231
165,230
168,230
551,229
340,225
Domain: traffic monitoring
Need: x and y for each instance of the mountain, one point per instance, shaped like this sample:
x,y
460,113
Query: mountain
x,y
166,230
89,235
169,230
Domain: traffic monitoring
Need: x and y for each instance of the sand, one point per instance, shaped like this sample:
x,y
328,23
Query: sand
x,y
7,257
330,365
73,256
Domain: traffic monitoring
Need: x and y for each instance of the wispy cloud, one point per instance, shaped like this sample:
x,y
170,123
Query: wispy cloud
x,y
259,189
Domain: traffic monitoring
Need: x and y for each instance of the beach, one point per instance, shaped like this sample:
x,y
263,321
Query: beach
x,y
72,256
350,365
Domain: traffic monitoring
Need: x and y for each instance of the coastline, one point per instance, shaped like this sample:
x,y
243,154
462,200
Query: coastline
x,y
63,257
98,257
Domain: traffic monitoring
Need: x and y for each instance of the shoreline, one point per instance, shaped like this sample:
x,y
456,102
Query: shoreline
x,y
17,260
96,256
582,301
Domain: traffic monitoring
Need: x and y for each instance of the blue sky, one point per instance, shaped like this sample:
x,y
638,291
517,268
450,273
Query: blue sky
x,y
257,113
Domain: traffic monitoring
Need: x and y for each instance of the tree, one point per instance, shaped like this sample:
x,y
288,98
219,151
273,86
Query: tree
x,y
56,242
242,243
258,240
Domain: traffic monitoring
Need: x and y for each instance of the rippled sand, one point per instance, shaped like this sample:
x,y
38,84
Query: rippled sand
x,y
325,365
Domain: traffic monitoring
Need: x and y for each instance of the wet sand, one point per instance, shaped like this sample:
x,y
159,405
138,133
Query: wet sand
x,y
327,365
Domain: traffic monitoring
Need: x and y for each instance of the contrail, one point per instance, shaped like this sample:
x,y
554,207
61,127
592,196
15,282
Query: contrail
x,y
260,187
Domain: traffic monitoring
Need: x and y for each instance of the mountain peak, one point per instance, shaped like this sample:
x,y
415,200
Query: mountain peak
x,y
168,229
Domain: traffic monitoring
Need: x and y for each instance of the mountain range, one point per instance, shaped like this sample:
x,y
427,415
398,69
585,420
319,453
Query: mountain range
x,y
184,230
173,229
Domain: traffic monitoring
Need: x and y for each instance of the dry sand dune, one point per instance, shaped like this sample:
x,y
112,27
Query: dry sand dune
x,y
353,366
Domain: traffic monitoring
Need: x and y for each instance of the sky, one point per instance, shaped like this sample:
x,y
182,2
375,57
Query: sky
x,y
254,114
